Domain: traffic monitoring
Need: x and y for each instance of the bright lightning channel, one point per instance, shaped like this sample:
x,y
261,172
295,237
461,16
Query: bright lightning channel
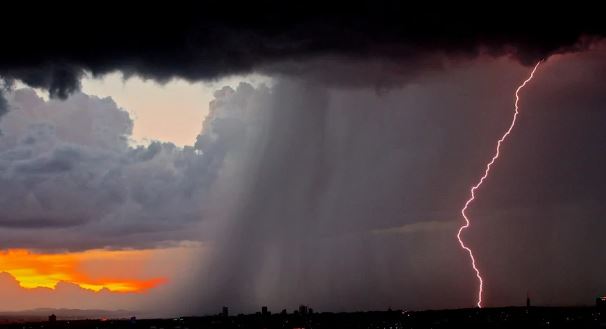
x,y
475,187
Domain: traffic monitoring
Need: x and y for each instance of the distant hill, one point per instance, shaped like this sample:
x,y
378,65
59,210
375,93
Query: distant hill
x,y
41,314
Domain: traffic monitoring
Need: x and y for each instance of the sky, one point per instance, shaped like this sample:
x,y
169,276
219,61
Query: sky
x,y
300,158
147,103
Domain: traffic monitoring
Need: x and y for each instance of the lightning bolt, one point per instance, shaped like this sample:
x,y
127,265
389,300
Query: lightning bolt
x,y
475,187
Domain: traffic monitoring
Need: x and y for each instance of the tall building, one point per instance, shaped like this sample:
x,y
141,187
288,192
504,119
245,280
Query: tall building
x,y
600,305
225,311
264,310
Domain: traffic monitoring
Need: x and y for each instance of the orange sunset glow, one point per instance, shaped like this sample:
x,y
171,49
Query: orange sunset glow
x,y
117,271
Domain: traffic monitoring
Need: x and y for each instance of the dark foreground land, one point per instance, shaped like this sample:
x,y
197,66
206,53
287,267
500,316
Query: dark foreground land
x,y
511,317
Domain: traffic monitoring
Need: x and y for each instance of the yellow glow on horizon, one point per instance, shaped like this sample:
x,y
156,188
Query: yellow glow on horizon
x,y
115,270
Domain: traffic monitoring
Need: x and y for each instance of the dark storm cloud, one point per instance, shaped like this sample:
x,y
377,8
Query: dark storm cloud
x,y
50,45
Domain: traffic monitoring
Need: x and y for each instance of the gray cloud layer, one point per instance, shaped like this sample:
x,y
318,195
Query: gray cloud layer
x,y
293,180
69,174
